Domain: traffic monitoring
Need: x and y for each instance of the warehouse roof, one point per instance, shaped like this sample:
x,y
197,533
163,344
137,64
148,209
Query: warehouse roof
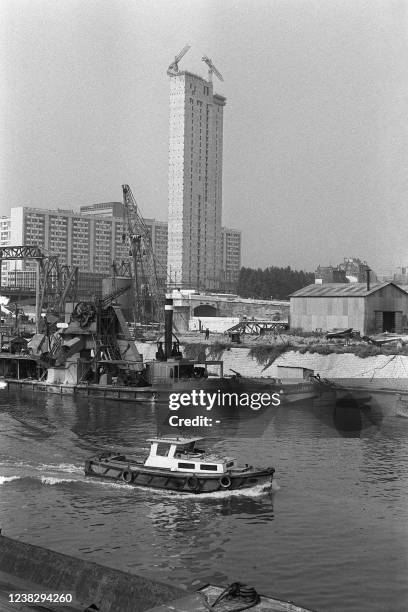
x,y
342,290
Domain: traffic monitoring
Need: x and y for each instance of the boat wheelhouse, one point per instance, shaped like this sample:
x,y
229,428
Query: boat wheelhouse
x,y
182,455
178,464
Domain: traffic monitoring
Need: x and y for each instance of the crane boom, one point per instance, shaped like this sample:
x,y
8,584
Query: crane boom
x,y
173,68
148,296
211,69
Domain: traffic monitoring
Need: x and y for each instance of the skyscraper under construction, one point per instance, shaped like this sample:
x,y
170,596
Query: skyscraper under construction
x,y
195,180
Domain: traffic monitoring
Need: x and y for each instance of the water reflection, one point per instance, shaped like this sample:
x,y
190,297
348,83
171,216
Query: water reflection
x,y
196,533
180,510
348,413
348,416
256,510
113,424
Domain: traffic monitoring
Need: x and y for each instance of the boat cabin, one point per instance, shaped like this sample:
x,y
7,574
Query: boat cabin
x,y
182,455
174,370
297,373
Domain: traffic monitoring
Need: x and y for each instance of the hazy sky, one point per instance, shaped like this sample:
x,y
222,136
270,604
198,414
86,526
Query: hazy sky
x,y
315,127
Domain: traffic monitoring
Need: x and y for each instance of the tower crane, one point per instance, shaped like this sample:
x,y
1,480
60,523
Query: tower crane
x,y
173,68
211,69
148,296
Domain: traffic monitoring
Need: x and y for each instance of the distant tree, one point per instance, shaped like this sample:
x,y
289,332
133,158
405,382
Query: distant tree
x,y
274,282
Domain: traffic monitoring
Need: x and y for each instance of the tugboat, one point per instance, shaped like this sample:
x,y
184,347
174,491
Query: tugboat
x,y
176,464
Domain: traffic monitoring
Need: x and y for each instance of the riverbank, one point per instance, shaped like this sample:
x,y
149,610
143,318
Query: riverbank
x,y
261,361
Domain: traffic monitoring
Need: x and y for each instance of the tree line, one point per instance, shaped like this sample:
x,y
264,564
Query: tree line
x,y
273,282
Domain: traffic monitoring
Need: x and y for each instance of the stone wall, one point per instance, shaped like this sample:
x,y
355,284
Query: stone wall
x,y
44,570
328,366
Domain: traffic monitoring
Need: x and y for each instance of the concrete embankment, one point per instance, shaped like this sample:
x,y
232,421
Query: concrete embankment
x,y
347,365
44,571
27,569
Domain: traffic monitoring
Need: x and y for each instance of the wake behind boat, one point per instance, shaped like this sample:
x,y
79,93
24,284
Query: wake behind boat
x,y
176,464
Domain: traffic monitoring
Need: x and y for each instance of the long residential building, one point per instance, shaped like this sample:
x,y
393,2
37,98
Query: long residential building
x,y
5,225
90,240
157,230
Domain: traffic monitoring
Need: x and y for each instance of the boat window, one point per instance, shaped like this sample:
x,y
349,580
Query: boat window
x,y
186,466
209,467
163,450
230,464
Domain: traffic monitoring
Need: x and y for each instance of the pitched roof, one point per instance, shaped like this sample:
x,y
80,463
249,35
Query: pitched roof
x,y
342,290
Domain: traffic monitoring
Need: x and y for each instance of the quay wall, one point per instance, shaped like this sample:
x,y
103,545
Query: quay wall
x,y
89,583
327,366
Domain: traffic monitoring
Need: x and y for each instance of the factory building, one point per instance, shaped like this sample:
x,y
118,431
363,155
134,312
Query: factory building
x,y
369,309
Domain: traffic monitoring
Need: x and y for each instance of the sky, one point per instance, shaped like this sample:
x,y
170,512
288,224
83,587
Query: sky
x,y
315,164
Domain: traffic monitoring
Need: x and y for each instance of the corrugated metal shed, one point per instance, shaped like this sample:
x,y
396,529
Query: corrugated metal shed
x,y
342,290
325,307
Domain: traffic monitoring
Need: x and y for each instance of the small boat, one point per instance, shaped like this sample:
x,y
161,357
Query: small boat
x,y
288,390
340,333
176,464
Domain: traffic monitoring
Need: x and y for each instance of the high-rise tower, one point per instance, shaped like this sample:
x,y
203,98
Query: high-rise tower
x,y
195,182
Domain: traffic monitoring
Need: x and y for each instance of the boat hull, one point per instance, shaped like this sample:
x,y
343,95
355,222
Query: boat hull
x,y
288,392
158,393
134,474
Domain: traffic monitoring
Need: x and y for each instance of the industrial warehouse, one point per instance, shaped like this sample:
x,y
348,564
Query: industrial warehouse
x,y
381,307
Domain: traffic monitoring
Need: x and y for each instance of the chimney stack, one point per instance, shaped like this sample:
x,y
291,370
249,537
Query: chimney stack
x,y
168,326
368,278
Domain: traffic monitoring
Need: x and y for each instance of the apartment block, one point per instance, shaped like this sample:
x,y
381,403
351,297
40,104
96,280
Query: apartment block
x,y
90,240
231,257
157,230
195,183
350,270
5,225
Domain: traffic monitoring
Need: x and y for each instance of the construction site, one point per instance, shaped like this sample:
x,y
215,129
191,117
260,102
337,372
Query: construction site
x,y
42,329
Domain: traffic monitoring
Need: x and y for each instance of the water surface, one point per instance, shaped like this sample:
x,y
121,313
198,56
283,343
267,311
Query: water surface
x,y
332,535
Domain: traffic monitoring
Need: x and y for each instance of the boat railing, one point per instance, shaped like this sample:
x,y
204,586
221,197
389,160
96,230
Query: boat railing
x,y
181,455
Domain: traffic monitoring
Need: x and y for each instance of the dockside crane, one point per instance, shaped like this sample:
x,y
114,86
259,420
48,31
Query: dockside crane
x,y
211,69
148,296
173,68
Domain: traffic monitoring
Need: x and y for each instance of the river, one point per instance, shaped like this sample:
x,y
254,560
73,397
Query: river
x,y
332,534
